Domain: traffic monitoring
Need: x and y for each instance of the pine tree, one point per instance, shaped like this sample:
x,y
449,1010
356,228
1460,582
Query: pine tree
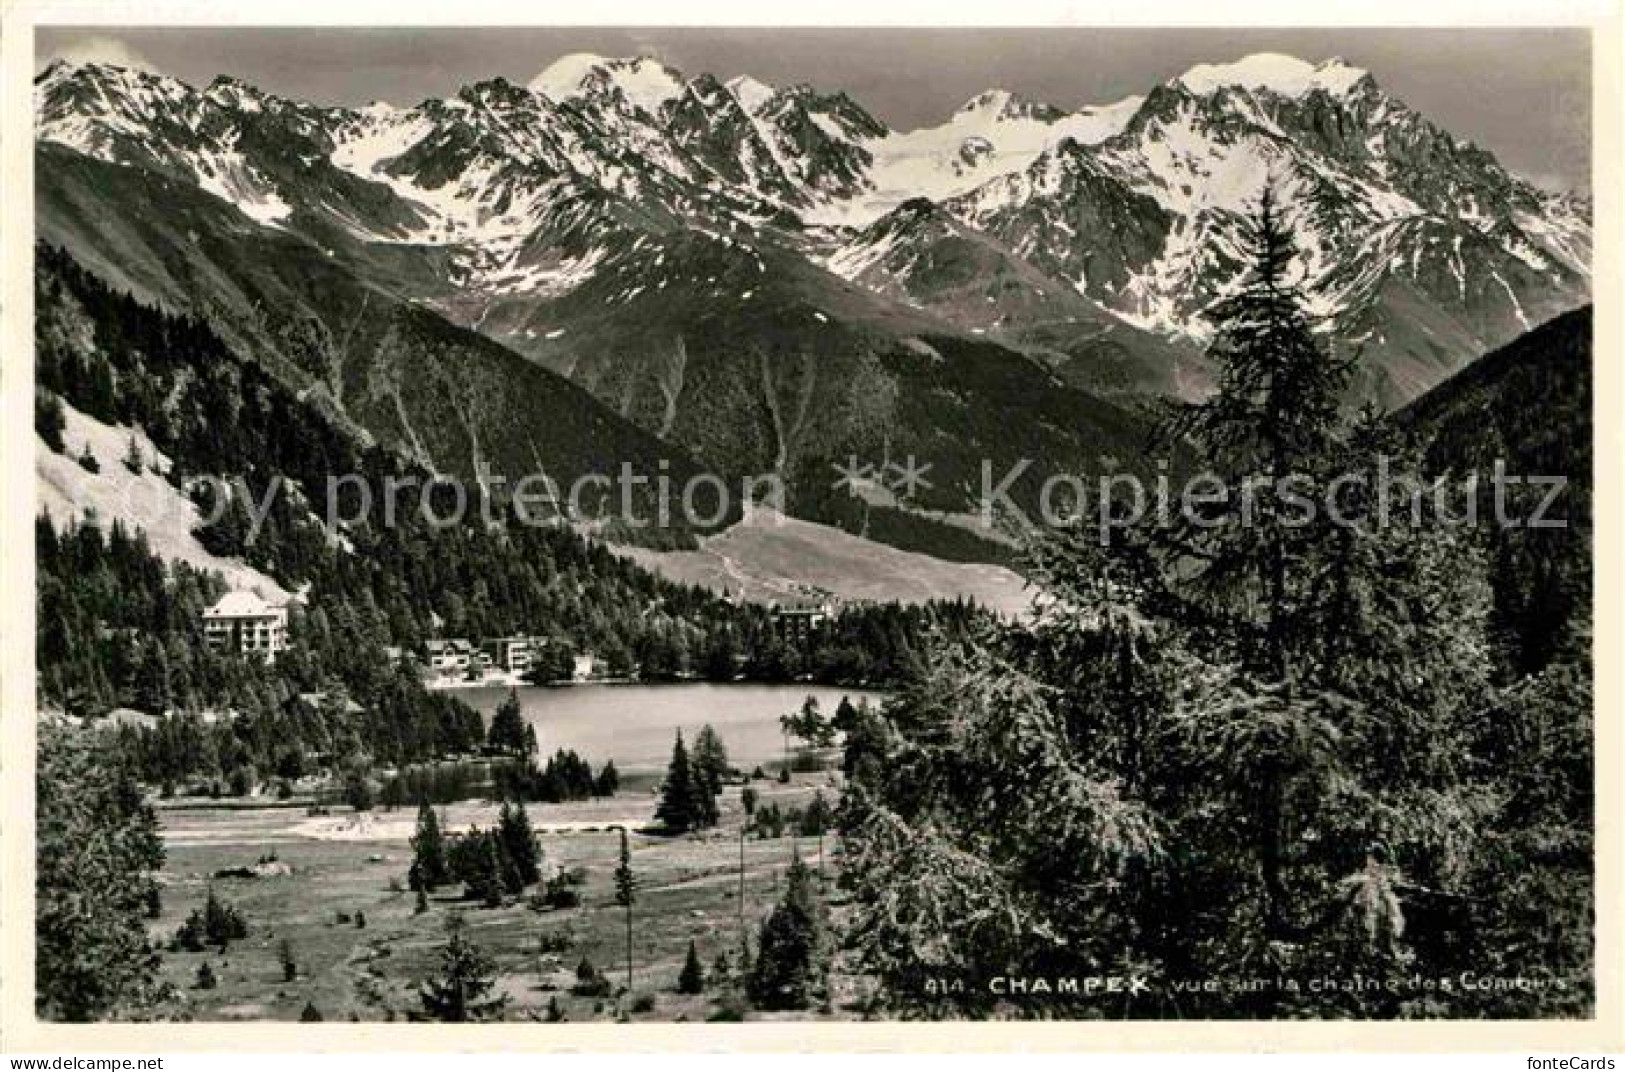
x,y
290,966
680,809
461,992
429,851
692,978
706,812
519,841
205,979
711,758
608,780
133,459
488,885
1271,426
626,894
507,733
790,947
310,1014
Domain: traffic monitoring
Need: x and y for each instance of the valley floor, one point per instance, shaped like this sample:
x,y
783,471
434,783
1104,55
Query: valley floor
x,y
688,889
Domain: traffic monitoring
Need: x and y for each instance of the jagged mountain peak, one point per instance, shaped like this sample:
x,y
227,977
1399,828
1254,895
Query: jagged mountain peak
x,y
751,93
1276,73
644,81
112,78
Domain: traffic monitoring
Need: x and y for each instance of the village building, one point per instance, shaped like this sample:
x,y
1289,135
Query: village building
x,y
450,656
244,623
799,619
513,654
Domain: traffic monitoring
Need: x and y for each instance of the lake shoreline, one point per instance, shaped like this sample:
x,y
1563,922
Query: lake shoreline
x,y
634,724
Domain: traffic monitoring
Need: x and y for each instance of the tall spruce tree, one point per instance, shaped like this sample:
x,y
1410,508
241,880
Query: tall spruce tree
x,y
711,758
681,806
626,895
507,733
790,948
462,991
519,841
1270,428
430,869
692,978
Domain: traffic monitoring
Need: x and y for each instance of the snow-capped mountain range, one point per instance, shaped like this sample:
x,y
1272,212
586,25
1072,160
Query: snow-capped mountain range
x,y
1044,228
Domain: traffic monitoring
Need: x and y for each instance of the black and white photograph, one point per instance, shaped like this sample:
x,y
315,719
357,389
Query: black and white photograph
x,y
560,525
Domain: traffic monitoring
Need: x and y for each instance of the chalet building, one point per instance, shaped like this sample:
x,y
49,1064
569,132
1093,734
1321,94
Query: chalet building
x,y
450,656
244,623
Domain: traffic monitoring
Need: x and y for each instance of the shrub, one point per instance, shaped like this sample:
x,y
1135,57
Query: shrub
x,y
561,893
731,1009
205,977
216,924
555,940
589,982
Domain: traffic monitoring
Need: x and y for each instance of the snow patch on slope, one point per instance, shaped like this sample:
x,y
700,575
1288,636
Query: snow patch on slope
x,y
991,136
145,501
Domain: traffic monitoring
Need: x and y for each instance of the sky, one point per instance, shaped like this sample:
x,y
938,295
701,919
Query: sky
x,y
1524,94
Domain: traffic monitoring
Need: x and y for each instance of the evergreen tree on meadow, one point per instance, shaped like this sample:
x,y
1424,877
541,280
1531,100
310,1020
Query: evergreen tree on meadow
x,y
790,947
429,851
497,875
681,808
692,978
290,966
626,895
519,842
608,780
711,758
461,992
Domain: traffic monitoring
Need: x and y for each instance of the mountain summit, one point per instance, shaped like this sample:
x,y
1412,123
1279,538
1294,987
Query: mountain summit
x,y
1286,75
